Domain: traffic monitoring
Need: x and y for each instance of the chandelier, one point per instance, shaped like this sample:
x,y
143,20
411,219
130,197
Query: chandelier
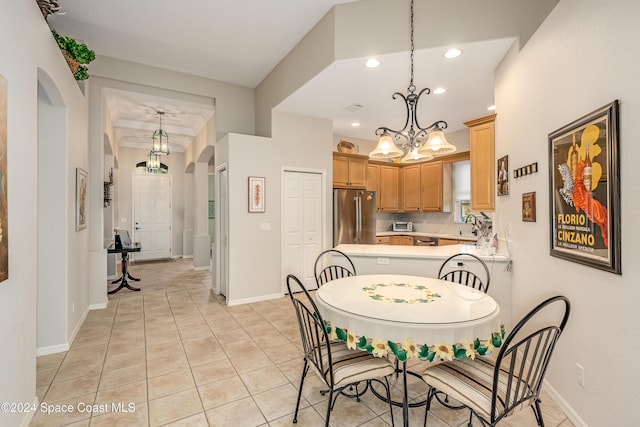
x,y
412,136
153,163
160,139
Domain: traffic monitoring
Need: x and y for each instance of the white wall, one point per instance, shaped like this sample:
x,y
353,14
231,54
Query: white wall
x,y
585,55
26,45
254,255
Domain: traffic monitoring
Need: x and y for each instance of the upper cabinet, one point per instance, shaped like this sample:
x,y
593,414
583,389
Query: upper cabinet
x,y
482,156
431,184
349,170
389,190
411,184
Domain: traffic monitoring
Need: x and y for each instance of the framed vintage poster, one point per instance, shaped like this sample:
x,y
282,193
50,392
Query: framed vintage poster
x,y
256,194
4,207
81,199
584,181
503,176
529,207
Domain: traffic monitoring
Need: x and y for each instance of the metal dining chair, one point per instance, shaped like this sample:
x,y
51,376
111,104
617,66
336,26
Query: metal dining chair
x,y
495,388
337,367
327,268
456,269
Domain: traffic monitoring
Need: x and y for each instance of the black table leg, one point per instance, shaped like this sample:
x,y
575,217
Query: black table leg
x,y
125,274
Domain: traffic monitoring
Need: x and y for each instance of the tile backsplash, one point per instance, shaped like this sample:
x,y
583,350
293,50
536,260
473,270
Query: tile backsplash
x,y
423,222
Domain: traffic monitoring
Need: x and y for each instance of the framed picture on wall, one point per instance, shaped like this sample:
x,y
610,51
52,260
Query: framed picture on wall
x,y
256,194
529,207
584,190
81,199
503,176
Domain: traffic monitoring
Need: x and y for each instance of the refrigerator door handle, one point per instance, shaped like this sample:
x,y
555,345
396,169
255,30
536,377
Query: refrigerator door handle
x,y
358,200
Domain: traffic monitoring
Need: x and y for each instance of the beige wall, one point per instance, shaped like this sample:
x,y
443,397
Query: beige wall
x,y
298,143
584,56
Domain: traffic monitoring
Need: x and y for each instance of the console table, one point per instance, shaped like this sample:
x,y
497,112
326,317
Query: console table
x,y
135,247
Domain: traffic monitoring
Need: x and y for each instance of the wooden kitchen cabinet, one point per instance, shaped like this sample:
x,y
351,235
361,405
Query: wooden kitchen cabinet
x,y
431,186
445,242
482,156
383,240
402,240
349,170
373,182
389,188
411,188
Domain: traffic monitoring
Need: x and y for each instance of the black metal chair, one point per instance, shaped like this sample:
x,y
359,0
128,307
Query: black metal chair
x,y
325,271
456,269
494,388
337,367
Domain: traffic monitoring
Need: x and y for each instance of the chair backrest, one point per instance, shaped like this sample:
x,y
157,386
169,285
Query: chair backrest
x,y
324,273
455,269
312,330
524,358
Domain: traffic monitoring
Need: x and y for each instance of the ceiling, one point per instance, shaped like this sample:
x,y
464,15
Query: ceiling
x,y
193,37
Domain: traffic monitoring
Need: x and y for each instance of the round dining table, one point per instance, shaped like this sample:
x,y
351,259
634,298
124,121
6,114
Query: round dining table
x,y
410,317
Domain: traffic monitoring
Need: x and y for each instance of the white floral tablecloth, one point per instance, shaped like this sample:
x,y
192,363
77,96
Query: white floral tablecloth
x,y
411,317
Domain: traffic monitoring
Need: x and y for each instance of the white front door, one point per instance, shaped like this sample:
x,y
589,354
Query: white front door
x,y
152,215
302,224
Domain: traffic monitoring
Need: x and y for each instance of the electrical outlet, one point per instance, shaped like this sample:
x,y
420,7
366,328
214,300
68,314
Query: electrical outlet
x,y
580,374
383,261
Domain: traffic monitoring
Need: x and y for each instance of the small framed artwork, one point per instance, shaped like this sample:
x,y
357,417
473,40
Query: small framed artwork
x,y
81,199
503,176
529,207
256,194
584,190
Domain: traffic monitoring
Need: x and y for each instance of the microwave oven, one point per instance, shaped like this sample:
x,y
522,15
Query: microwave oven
x,y
402,226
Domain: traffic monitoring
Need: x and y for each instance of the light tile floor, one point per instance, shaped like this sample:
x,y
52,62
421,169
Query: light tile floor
x,y
174,354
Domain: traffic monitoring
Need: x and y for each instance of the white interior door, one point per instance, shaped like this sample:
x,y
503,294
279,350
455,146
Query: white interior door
x,y
222,241
152,215
301,224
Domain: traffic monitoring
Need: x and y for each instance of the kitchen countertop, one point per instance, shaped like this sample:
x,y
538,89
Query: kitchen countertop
x,y
467,237
401,251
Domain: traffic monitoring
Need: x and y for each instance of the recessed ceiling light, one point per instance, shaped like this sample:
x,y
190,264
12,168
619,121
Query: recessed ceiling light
x,y
439,90
491,108
452,53
372,63
355,124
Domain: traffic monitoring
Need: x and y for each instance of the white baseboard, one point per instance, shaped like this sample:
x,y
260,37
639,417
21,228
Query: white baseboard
x,y
566,408
98,306
26,421
59,348
254,299
43,351
201,268
187,256
78,326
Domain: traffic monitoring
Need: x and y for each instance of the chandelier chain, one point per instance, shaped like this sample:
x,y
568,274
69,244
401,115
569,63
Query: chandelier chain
x,y
412,87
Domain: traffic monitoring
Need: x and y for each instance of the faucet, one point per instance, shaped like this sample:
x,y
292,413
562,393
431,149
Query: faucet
x,y
472,219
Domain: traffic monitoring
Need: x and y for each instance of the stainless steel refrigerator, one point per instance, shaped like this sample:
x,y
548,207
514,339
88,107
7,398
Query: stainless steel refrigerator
x,y
354,217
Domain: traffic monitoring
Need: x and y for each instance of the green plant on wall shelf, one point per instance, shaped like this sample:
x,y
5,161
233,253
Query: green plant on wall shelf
x,y
76,54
